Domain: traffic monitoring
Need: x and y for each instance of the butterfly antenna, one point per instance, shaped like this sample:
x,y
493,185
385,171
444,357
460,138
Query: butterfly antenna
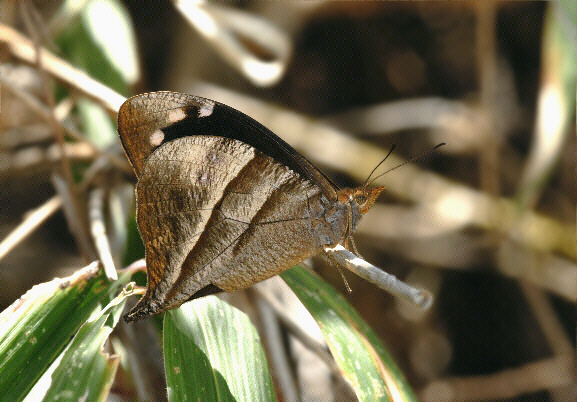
x,y
405,162
380,163
349,290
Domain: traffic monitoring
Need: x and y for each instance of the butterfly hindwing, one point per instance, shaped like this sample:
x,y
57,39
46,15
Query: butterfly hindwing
x,y
216,213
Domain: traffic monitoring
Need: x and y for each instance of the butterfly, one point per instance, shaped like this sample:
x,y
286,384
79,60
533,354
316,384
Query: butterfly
x,y
223,202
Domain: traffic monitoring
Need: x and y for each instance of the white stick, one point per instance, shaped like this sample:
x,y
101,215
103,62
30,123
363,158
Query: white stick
x,y
383,280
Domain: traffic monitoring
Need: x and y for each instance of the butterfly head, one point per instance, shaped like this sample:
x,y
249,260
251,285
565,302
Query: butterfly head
x,y
362,197
365,198
357,201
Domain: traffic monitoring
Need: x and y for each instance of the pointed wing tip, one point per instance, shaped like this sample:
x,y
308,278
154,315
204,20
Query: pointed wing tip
x,y
143,309
136,315
129,317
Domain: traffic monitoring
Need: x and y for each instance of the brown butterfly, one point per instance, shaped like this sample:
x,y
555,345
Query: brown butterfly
x,y
222,202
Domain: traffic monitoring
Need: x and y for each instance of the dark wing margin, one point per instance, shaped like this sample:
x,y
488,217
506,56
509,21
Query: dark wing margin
x,y
142,118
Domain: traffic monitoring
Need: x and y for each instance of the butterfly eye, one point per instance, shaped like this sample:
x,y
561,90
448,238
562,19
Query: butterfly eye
x,y
360,197
367,198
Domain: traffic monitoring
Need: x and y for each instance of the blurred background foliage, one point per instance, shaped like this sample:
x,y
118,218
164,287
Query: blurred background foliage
x,y
487,223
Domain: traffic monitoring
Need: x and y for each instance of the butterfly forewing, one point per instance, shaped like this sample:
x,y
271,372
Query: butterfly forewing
x,y
149,120
142,118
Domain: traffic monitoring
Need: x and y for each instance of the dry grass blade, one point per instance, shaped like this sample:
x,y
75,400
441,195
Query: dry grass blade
x,y
259,50
33,220
544,374
98,231
22,48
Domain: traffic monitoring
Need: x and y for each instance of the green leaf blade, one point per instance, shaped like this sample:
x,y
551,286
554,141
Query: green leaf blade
x,y
213,352
35,329
358,352
85,371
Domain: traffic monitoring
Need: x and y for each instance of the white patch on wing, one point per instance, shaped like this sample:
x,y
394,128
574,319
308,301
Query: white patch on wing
x,y
176,115
156,138
206,110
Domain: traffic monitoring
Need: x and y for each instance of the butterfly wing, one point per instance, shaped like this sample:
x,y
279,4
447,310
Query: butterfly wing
x,y
149,120
222,201
217,214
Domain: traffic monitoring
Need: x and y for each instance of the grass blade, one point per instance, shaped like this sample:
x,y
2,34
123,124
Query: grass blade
x,y
358,352
212,352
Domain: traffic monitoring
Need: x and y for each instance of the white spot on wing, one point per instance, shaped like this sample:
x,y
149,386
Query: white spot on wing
x,y
206,110
176,115
156,138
